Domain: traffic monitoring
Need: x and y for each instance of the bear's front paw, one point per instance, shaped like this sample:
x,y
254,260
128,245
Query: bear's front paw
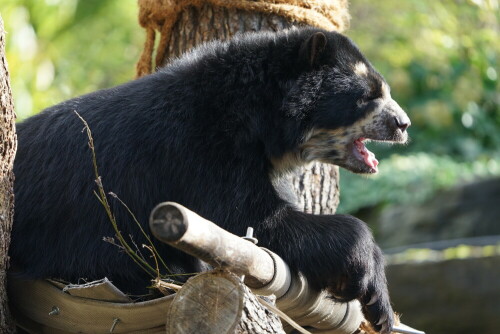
x,y
375,303
352,268
366,282
378,311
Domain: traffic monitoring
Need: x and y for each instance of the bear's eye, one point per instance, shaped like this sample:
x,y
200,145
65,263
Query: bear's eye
x,y
371,97
367,101
375,90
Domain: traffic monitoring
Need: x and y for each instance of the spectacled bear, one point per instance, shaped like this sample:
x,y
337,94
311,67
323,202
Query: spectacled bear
x,y
213,131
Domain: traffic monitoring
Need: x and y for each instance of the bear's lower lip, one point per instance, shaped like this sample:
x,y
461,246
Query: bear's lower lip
x,y
366,156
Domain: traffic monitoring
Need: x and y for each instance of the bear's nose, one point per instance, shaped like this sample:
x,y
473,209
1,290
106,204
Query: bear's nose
x,y
402,123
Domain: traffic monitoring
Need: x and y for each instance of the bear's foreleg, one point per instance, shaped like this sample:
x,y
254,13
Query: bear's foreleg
x,y
336,253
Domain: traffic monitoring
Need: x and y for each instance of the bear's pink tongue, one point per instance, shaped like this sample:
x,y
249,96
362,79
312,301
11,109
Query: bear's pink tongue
x,y
367,156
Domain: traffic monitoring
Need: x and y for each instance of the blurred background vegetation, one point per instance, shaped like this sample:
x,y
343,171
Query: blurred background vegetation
x,y
58,49
440,58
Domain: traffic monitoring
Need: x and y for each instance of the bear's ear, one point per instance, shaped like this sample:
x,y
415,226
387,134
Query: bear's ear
x,y
312,49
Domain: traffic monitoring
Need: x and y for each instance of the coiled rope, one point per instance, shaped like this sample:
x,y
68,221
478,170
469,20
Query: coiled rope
x,y
161,15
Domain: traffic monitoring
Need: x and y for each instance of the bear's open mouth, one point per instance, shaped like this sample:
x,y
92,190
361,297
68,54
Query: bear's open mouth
x,y
365,155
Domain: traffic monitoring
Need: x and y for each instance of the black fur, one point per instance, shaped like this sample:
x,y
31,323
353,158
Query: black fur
x,y
203,132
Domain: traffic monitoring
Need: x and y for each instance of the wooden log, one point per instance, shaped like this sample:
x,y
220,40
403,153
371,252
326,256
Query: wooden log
x,y
265,272
171,222
42,307
218,302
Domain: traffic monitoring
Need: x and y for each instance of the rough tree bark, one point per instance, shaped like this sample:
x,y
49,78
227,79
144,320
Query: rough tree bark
x,y
218,302
317,185
7,152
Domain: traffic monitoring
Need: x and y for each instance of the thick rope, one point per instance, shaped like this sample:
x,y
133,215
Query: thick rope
x,y
161,16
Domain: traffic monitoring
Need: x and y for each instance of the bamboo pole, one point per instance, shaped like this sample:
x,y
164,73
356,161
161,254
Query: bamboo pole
x,y
265,272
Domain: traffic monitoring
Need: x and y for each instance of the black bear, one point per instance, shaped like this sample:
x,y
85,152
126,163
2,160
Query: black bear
x,y
213,131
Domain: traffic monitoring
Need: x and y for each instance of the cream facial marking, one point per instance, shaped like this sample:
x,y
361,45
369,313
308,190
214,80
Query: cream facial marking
x,y
323,143
360,69
287,162
386,98
386,91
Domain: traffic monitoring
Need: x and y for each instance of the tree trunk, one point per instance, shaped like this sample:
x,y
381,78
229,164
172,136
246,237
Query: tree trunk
x,y
7,152
316,186
218,302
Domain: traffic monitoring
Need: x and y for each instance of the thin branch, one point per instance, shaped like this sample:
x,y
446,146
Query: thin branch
x,y
154,251
101,196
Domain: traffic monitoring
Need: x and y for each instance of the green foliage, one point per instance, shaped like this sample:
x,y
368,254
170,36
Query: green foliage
x,y
441,59
410,179
58,49
419,255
